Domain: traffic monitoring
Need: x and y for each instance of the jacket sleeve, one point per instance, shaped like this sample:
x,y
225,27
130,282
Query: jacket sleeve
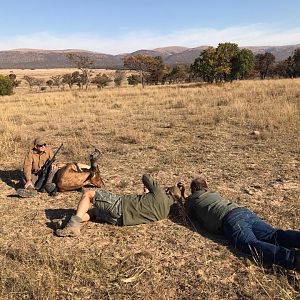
x,y
188,206
28,165
149,183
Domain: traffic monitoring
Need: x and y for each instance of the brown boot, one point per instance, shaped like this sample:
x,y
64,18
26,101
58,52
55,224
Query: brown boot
x,y
68,231
27,193
50,187
72,229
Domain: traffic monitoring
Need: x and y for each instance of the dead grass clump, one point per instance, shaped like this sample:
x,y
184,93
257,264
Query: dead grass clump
x,y
130,137
116,106
127,139
177,104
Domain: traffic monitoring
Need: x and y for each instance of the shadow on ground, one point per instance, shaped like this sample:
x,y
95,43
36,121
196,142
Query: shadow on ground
x,y
12,178
58,218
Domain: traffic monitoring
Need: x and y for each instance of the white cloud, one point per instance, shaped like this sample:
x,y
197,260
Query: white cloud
x,y
252,35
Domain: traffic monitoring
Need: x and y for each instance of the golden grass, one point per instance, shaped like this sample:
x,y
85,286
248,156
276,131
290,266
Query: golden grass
x,y
175,133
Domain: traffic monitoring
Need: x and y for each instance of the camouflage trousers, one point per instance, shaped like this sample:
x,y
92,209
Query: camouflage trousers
x,y
108,207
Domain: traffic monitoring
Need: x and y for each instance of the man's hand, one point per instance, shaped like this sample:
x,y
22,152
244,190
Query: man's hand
x,y
28,184
181,187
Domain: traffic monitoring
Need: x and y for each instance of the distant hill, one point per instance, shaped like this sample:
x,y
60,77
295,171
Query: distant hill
x,y
44,59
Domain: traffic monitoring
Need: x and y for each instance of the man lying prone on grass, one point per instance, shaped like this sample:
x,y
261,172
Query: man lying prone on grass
x,y
242,228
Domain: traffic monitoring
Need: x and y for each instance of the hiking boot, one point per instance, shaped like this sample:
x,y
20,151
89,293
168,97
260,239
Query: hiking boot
x,y
54,193
72,229
297,260
26,193
50,187
69,231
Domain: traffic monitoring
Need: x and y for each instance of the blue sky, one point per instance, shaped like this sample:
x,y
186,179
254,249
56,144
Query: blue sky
x,y
115,27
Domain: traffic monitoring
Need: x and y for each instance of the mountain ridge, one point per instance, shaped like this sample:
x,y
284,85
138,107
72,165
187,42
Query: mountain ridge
x,y
24,58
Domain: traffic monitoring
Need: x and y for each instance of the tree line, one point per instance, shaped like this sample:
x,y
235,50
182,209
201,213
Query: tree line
x,y
227,62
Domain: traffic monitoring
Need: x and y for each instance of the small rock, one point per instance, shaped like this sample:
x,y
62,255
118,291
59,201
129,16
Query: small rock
x,y
247,191
255,133
256,186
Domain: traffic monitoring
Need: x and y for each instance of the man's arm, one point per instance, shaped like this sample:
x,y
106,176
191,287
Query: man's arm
x,y
27,168
149,183
188,205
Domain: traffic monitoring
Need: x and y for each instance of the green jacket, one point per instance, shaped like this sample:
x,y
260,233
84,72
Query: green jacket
x,y
208,209
146,208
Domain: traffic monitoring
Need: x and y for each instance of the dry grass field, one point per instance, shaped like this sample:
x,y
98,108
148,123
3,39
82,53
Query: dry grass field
x,y
174,133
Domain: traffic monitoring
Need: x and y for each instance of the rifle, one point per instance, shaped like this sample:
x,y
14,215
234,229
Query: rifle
x,y
44,172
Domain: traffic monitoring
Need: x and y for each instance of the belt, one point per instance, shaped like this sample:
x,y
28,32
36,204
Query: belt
x,y
229,214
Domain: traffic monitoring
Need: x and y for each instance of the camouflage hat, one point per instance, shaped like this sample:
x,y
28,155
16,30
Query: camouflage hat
x,y
39,141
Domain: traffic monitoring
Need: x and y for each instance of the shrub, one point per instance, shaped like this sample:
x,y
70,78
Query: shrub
x,y
134,80
6,86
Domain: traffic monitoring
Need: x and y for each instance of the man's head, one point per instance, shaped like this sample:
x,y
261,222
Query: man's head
x,y
39,143
198,184
175,192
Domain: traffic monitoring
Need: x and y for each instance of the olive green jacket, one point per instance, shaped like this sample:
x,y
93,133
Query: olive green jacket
x,y
146,208
208,209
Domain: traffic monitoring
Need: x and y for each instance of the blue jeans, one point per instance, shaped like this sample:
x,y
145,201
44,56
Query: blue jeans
x,y
253,236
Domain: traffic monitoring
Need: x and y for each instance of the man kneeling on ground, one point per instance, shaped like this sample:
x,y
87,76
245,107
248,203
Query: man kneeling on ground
x,y
243,229
122,210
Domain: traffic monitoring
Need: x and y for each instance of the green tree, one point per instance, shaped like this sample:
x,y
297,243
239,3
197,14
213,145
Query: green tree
x,y
242,64
39,82
72,78
296,62
14,81
205,66
225,53
85,65
134,79
144,64
49,83
101,80
57,80
264,63
178,74
157,70
290,67
119,77
6,85
30,80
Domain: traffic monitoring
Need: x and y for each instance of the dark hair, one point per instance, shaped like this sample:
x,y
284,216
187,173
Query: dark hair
x,y
198,184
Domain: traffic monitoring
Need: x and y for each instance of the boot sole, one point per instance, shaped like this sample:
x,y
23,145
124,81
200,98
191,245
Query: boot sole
x,y
23,193
61,233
